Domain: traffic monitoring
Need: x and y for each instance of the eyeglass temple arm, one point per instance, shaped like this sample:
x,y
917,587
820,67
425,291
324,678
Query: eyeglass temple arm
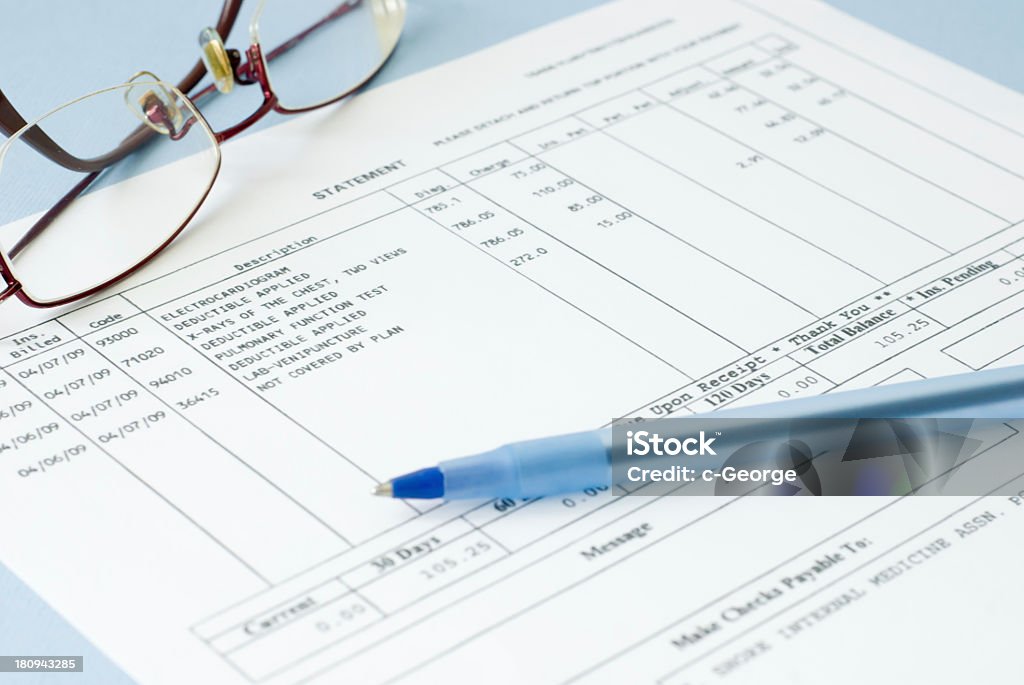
x,y
44,222
141,135
46,219
38,139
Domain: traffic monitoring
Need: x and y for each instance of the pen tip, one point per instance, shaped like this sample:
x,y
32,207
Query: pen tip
x,y
384,490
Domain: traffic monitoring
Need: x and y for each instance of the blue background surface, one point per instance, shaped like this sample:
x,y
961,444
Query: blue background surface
x,y
101,36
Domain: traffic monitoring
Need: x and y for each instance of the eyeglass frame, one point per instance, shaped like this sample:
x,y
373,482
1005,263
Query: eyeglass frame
x,y
253,71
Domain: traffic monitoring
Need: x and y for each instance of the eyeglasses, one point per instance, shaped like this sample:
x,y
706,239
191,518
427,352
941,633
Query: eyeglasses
x,y
116,138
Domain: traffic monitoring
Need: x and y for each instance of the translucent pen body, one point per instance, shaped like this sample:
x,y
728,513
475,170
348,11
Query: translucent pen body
x,y
575,461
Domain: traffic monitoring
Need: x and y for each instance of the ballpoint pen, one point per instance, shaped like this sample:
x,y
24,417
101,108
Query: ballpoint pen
x,y
551,465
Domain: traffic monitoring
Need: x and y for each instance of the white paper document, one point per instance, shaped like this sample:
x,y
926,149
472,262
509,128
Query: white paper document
x,y
653,208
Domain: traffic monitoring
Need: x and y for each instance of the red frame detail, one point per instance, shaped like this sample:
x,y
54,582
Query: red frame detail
x,y
252,71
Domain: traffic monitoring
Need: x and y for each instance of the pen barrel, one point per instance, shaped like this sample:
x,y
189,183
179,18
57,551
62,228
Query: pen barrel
x,y
530,469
